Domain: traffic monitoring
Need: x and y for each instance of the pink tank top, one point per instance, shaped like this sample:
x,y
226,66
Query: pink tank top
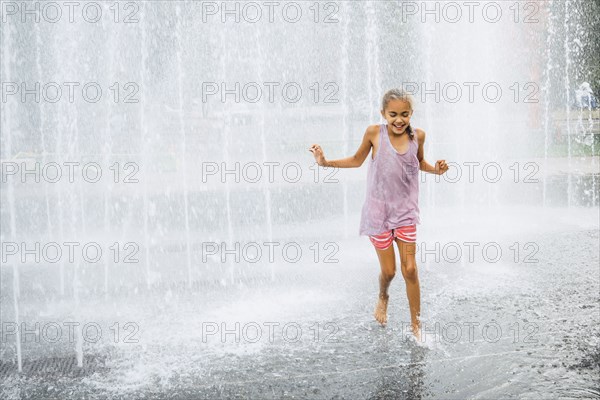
x,y
392,188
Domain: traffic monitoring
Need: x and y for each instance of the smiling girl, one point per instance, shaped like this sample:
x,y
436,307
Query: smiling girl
x,y
391,211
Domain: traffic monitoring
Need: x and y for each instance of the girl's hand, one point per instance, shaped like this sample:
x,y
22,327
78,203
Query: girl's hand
x,y
318,153
441,167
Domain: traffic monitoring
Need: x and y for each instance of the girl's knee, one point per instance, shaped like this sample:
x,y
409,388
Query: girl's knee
x,y
388,274
410,272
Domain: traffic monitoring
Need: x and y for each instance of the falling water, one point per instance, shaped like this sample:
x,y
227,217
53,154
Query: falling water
x,y
375,44
182,131
262,54
226,134
76,203
58,153
371,44
547,86
42,126
144,139
107,149
428,35
8,58
344,59
568,100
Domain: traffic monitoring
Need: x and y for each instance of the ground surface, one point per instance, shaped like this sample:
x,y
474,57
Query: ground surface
x,y
525,326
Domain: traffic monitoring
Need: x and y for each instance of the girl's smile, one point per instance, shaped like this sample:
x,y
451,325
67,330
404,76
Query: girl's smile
x,y
398,127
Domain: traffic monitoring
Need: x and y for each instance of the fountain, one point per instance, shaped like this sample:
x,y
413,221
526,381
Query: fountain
x,y
167,315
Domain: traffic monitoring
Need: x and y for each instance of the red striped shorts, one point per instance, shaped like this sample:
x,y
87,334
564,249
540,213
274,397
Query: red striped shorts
x,y
385,239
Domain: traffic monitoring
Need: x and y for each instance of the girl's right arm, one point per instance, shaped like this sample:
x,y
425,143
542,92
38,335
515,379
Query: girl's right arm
x,y
354,161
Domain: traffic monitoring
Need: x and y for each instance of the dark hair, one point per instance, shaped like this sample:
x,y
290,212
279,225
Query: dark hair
x,y
410,132
399,94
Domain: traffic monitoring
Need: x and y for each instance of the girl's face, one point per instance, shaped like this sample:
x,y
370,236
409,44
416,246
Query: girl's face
x,y
397,114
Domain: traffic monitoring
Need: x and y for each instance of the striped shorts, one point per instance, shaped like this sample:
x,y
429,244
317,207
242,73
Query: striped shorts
x,y
385,239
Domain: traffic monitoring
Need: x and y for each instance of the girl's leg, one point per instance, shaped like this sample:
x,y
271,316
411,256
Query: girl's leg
x,y
387,262
408,266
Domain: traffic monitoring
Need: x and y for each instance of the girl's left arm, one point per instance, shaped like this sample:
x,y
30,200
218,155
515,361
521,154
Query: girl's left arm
x,y
440,165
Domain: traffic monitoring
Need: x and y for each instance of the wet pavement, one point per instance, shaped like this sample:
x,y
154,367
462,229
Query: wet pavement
x,y
524,326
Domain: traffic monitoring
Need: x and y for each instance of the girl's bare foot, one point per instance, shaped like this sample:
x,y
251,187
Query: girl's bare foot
x,y
381,309
416,328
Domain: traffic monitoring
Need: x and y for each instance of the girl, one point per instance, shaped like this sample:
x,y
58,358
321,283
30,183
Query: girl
x,y
391,212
